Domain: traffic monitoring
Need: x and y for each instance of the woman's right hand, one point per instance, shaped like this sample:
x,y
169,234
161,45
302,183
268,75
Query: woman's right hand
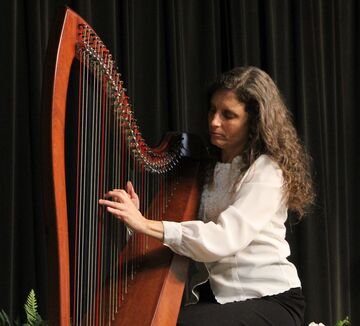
x,y
132,194
125,206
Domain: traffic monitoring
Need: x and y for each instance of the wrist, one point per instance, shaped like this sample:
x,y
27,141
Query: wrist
x,y
155,229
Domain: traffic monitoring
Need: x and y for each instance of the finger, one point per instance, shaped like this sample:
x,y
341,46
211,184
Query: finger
x,y
110,203
131,190
130,187
114,212
119,194
117,191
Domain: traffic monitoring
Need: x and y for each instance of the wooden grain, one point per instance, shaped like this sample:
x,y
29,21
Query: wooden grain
x,y
154,296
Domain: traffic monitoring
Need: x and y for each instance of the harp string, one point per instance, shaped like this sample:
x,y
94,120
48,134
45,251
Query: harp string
x,y
100,250
92,193
82,186
77,201
110,151
97,220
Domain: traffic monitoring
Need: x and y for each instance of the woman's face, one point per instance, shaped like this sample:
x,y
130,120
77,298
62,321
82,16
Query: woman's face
x,y
228,124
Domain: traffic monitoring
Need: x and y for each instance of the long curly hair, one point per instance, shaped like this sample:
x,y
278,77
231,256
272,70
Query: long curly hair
x,y
271,132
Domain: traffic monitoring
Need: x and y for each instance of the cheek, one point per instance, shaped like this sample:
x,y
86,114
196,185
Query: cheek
x,y
240,130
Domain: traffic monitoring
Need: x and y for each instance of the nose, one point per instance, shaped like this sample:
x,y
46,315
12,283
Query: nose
x,y
214,120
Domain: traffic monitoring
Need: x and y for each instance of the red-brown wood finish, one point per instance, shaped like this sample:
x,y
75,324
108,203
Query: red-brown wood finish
x,y
61,53
154,295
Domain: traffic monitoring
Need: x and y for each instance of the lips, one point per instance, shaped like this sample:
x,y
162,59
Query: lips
x,y
216,135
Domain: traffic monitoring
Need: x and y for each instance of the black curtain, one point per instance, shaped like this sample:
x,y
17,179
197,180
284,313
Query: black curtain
x,y
167,50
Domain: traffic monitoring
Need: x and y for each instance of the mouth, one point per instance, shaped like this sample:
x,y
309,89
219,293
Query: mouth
x,y
215,134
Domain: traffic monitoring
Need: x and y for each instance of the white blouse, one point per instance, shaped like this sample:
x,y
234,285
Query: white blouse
x,y
240,235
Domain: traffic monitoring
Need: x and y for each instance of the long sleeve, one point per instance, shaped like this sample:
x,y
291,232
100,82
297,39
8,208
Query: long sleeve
x,y
255,203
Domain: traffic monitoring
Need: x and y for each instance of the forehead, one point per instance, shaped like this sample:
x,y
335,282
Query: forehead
x,y
225,97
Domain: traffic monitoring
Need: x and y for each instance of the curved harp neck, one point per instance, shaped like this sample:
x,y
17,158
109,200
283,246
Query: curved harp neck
x,y
91,256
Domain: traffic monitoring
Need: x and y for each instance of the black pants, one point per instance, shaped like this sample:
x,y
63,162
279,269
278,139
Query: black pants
x,y
284,309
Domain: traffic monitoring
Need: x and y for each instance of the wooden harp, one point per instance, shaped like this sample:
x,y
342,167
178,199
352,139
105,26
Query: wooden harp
x,y
98,272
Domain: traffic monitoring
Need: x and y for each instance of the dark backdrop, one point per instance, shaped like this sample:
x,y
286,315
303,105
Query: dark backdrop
x,y
167,50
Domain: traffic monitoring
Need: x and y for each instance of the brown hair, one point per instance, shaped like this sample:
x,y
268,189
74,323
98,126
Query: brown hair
x,y
271,132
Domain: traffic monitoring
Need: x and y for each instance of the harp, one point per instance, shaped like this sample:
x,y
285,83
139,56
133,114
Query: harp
x,y
99,273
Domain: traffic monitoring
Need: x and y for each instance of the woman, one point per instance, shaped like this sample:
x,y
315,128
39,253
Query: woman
x,y
241,275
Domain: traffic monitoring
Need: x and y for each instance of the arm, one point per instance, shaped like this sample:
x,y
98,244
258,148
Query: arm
x,y
257,202
236,227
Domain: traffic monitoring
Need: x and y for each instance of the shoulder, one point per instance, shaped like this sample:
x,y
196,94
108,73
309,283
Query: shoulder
x,y
264,170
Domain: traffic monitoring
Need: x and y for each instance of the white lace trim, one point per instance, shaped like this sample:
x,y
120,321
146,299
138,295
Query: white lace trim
x,y
217,197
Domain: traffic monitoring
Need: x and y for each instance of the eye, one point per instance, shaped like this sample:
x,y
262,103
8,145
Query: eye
x,y
229,114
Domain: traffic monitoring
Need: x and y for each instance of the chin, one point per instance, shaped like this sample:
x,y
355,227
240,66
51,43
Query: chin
x,y
217,144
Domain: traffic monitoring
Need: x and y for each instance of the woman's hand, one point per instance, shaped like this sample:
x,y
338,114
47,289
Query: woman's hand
x,y
119,203
125,205
133,195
